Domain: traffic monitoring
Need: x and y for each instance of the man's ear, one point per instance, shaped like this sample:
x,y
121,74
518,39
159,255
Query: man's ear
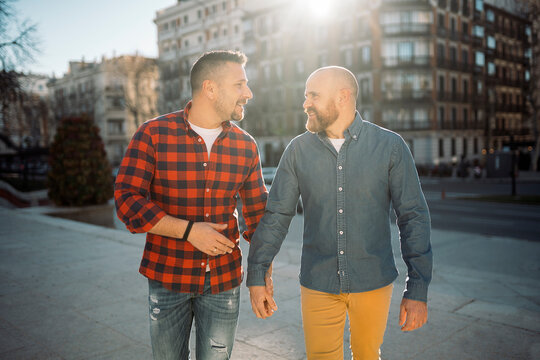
x,y
209,89
344,96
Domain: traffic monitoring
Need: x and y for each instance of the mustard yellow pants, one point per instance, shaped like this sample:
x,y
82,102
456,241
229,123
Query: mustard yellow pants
x,y
323,317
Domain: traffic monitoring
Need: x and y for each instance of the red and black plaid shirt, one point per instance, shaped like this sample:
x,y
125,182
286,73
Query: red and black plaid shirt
x,y
166,170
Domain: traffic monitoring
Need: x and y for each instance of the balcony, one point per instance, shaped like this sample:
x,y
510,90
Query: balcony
x,y
395,3
453,96
516,108
453,64
407,96
406,29
406,61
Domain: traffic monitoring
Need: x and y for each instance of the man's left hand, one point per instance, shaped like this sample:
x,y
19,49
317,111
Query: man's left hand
x,y
413,314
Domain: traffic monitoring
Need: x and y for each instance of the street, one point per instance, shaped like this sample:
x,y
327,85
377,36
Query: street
x,y
451,210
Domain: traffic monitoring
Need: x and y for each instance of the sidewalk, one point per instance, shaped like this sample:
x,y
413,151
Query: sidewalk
x,y
72,291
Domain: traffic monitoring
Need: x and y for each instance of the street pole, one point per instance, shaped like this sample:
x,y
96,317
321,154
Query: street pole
x,y
513,171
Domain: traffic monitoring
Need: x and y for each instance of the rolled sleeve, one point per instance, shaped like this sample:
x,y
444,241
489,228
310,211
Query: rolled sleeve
x,y
132,184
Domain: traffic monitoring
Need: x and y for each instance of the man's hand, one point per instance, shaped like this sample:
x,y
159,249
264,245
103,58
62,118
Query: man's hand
x,y
413,314
205,236
262,303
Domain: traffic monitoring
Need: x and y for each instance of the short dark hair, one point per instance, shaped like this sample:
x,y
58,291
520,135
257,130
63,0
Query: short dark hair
x,y
205,65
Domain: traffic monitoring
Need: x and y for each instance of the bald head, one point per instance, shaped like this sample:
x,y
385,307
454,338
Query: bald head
x,y
337,78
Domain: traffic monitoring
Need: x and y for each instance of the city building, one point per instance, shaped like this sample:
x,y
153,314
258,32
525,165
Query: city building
x,y
24,119
118,93
185,31
441,73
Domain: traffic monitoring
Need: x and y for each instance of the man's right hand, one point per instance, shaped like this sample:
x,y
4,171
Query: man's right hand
x,y
205,237
262,303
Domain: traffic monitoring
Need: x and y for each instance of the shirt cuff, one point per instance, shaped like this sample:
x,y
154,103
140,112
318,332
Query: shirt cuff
x,y
255,278
416,291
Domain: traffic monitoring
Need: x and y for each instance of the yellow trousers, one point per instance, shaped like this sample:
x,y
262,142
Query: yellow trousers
x,y
323,317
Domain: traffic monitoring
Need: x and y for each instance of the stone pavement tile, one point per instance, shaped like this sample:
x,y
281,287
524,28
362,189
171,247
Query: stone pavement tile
x,y
133,352
287,342
34,352
12,339
440,326
96,342
483,341
243,351
503,314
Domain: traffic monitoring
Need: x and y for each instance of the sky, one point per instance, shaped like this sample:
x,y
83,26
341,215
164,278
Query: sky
x,y
73,29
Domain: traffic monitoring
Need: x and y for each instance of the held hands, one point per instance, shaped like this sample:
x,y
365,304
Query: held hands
x,y
205,237
262,300
413,314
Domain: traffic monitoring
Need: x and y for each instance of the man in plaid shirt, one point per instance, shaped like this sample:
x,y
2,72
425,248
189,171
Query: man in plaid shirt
x,y
178,183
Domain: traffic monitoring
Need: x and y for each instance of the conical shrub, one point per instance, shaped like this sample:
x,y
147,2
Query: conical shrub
x,y
80,173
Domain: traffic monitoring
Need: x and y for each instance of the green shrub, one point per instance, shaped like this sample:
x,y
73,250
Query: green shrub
x,y
80,173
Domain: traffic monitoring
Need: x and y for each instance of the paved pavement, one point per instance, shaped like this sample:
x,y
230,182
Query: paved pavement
x,y
71,290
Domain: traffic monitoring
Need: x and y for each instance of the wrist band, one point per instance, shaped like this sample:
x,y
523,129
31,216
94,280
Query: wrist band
x,y
188,229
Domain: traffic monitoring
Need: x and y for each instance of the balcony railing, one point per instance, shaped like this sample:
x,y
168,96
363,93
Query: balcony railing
x,y
407,95
406,61
406,28
453,96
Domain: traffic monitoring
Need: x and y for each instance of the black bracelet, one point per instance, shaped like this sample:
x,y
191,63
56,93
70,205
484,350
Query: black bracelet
x,y
188,229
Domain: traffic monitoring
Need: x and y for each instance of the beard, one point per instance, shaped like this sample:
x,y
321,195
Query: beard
x,y
222,107
320,120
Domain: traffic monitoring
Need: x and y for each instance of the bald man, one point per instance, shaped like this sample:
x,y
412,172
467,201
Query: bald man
x,y
349,173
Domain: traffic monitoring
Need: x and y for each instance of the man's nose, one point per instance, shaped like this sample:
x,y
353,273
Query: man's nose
x,y
247,93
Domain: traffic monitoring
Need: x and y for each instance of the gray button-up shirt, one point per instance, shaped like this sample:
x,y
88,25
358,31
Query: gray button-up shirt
x,y
347,197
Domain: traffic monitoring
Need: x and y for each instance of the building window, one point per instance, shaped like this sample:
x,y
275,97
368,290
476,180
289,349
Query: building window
x,y
491,43
199,14
365,54
441,148
454,118
115,126
440,20
405,51
465,28
465,147
491,68
186,19
465,118
490,15
465,56
479,58
453,147
479,5
475,146
440,51
478,31
441,117
441,85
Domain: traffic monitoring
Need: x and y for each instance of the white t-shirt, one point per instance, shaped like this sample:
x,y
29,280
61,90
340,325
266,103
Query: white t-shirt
x,y
337,143
208,135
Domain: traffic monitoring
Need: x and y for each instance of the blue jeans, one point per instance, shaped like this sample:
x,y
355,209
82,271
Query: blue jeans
x,y
172,314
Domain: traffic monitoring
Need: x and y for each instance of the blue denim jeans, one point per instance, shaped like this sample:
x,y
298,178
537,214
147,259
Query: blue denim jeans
x,y
172,314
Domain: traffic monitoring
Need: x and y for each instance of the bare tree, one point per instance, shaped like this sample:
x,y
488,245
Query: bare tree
x,y
18,41
18,45
138,75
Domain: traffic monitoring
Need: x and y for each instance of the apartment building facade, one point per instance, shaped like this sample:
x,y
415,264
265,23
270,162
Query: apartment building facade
x,y
424,68
118,93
